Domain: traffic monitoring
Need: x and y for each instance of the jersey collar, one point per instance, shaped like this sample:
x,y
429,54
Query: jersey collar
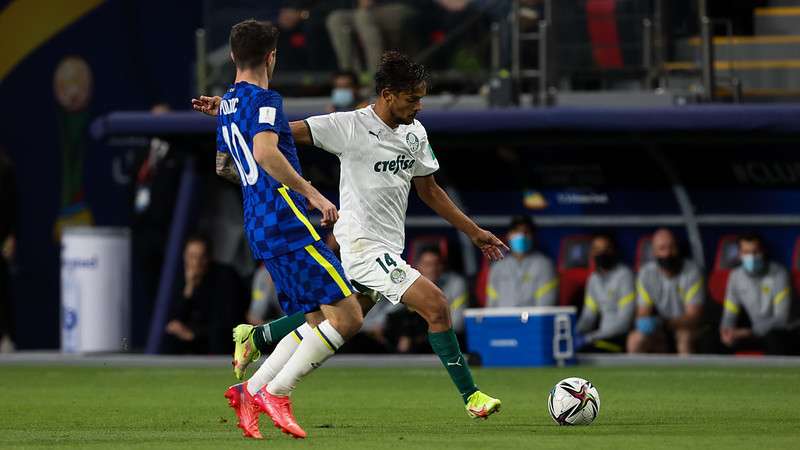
x,y
378,119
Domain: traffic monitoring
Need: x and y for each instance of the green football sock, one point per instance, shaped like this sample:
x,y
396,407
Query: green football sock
x,y
264,335
445,345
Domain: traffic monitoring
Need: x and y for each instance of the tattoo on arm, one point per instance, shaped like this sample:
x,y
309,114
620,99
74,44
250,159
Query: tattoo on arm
x,y
226,169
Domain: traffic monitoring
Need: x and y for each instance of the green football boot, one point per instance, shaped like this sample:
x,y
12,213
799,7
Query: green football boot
x,y
481,406
245,351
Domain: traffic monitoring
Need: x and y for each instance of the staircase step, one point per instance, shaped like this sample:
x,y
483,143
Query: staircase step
x,y
777,20
767,76
742,65
743,48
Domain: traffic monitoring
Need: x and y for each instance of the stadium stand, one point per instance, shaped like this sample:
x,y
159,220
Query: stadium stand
x,y
574,267
727,257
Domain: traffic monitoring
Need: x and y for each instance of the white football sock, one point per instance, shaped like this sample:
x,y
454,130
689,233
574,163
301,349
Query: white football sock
x,y
320,345
277,359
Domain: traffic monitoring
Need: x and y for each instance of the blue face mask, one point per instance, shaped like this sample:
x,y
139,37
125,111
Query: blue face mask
x,y
520,243
342,97
753,263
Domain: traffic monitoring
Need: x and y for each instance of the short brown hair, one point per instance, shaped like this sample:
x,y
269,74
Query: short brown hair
x,y
251,41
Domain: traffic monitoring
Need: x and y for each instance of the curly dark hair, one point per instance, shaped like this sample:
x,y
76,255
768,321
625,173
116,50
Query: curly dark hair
x,y
398,73
251,41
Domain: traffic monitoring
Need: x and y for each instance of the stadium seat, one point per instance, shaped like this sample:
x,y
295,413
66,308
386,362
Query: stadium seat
x,y
727,257
796,268
480,282
574,267
644,251
601,18
422,242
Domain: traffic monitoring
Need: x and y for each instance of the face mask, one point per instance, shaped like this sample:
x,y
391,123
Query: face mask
x,y
605,261
753,263
519,243
671,264
342,97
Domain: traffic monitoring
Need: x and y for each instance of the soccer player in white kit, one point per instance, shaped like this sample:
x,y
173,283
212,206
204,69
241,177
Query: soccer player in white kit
x,y
383,149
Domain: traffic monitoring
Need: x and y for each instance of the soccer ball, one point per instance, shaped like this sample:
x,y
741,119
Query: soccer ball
x,y
573,401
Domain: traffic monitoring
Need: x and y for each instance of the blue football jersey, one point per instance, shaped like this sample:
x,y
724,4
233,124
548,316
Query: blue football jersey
x,y
275,218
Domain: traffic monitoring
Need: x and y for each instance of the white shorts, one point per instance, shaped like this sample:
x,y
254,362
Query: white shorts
x,y
378,270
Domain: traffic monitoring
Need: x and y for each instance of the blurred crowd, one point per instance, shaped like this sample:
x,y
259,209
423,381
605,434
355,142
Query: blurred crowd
x,y
349,36
662,308
660,305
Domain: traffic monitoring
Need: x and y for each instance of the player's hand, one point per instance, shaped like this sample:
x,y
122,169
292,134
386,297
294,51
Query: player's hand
x,y
491,247
207,105
329,213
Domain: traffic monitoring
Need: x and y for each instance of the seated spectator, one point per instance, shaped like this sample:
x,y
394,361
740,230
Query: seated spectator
x,y
345,95
525,278
610,295
454,286
407,332
670,296
760,288
200,318
379,25
264,297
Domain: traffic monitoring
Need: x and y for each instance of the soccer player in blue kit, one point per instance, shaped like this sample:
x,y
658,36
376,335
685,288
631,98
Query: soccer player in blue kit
x,y
255,149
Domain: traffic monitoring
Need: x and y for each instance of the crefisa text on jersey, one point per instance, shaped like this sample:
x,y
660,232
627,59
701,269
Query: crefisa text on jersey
x,y
395,165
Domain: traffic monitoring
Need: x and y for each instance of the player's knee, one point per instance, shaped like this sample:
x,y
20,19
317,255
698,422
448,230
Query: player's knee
x,y
348,321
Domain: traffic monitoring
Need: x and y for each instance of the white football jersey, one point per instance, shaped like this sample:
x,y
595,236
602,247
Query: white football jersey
x,y
377,165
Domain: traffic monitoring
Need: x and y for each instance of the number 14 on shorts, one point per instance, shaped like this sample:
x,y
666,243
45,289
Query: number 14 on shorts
x,y
386,262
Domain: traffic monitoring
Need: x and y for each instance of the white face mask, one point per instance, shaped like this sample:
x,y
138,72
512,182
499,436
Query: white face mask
x,y
342,97
753,262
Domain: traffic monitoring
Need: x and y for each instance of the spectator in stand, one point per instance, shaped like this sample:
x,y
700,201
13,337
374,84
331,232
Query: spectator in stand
x,y
760,288
431,265
526,277
378,24
670,296
345,93
200,319
610,295
407,332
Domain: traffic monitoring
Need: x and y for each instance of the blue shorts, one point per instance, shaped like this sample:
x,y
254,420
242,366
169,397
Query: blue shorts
x,y
308,277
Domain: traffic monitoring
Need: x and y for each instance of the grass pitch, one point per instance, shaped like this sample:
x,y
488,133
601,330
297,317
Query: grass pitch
x,y
709,408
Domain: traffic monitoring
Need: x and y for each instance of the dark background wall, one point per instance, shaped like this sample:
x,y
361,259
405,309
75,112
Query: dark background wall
x,y
139,52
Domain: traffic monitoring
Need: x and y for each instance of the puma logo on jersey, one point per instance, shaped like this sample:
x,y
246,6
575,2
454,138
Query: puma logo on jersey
x,y
377,135
395,165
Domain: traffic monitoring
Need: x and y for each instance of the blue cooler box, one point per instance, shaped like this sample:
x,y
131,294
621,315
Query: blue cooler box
x,y
521,337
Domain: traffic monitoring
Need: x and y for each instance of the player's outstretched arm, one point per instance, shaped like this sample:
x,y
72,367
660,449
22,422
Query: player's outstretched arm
x,y
301,133
207,105
267,155
434,196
